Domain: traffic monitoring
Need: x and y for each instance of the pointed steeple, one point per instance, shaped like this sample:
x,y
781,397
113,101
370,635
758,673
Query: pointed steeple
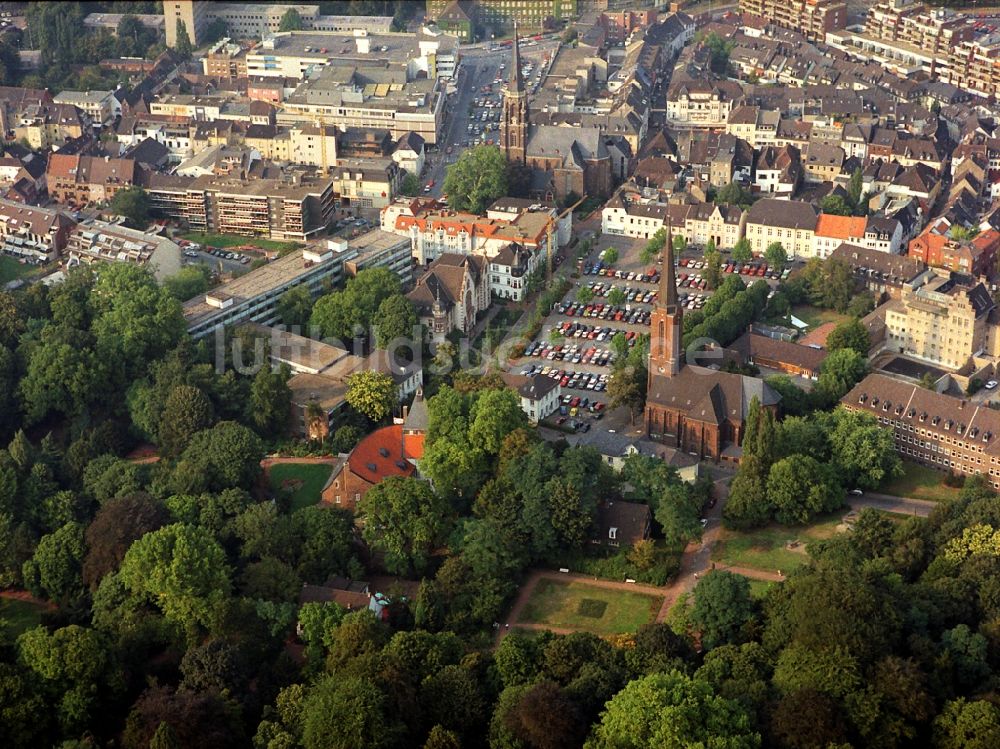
x,y
668,284
515,85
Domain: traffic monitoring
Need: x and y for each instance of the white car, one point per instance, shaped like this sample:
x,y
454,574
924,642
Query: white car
x,y
991,384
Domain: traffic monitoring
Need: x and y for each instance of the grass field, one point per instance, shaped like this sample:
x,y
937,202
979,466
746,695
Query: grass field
x,y
765,548
305,480
759,588
576,605
816,316
232,240
17,617
10,269
920,482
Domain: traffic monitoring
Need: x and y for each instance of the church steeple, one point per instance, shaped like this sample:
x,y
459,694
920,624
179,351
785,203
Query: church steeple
x,y
667,319
515,83
514,125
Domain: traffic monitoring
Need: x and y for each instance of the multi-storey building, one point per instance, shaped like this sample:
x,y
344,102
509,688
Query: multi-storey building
x,y
814,18
254,297
81,180
941,318
33,234
101,242
100,106
284,209
936,430
253,21
791,222
500,15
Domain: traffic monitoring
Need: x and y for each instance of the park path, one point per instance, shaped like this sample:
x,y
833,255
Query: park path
x,y
275,460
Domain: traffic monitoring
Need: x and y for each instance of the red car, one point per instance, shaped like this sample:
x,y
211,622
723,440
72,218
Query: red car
x,y
575,401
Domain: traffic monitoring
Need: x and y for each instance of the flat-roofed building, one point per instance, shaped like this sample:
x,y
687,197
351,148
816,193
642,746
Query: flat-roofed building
x,y
254,297
99,241
375,249
100,106
940,431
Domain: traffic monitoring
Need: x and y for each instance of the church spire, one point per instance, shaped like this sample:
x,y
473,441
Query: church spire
x,y
668,282
515,85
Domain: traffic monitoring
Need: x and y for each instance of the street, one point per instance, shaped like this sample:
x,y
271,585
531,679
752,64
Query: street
x,y
480,67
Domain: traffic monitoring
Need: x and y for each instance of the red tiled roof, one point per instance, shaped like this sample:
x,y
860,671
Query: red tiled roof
x,y
840,227
389,451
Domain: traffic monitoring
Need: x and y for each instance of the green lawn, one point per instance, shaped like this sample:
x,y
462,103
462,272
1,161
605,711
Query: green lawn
x,y
766,548
816,316
759,588
10,269
18,616
920,482
305,480
576,605
233,240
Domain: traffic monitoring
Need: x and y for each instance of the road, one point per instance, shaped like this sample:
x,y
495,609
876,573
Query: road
x,y
903,505
480,66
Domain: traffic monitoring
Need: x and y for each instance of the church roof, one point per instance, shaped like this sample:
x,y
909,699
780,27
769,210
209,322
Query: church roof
x,y
710,395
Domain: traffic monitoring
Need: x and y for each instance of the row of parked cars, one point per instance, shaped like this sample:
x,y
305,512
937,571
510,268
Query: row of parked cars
x,y
591,332
569,378
691,281
652,275
575,353
639,296
603,311
760,270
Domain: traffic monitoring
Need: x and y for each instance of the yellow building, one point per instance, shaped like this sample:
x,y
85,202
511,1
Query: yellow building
x,y
941,318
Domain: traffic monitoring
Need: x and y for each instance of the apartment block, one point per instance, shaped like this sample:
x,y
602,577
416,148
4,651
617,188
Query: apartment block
x,y
100,106
936,430
33,234
941,318
813,18
500,15
285,209
101,242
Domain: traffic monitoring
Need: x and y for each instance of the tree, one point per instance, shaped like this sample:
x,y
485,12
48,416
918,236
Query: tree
x,y
680,243
584,295
966,724
194,720
863,452
616,297
270,401
800,487
117,524
854,189
20,706
410,185
495,414
372,393
627,388
850,334
345,712
477,179
186,411
188,282
672,710
840,371
775,255
543,715
654,246
71,663
404,518
183,46
54,569
215,30
677,510
225,456
295,306
291,21
610,256
836,205
713,269
733,194
344,314
719,50
742,252
182,570
722,608
396,318
133,204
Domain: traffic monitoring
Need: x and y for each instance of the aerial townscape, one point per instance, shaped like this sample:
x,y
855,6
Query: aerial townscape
x,y
500,374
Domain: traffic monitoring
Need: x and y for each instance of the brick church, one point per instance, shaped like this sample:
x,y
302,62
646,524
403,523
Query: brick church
x,y
694,409
564,159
